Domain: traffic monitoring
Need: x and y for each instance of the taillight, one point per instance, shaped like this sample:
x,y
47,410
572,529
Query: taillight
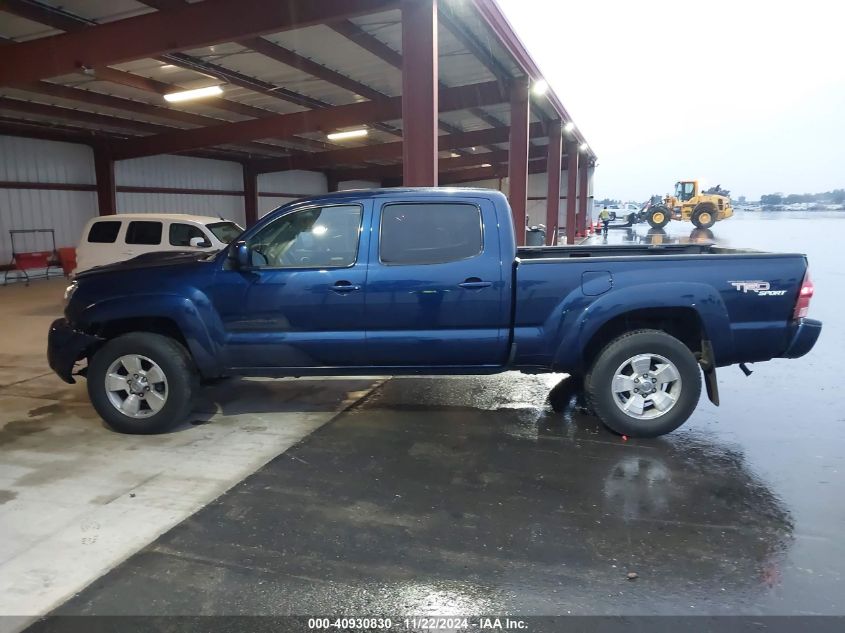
x,y
802,305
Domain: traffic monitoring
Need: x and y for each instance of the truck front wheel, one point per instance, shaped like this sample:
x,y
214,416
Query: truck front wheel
x,y
142,383
644,383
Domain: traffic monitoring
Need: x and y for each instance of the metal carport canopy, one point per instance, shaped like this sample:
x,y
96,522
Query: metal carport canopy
x,y
291,71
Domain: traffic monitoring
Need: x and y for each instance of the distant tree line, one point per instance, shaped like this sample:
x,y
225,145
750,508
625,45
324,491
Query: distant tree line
x,y
837,196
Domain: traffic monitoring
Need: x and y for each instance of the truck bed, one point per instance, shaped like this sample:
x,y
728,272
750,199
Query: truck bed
x,y
628,250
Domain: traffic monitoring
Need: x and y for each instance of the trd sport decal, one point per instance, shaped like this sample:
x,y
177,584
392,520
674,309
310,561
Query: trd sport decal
x,y
761,288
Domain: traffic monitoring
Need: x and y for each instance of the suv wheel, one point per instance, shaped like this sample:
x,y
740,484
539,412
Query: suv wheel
x,y
142,383
644,384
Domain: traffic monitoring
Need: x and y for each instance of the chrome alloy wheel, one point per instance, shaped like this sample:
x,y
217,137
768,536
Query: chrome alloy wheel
x,y
136,386
646,386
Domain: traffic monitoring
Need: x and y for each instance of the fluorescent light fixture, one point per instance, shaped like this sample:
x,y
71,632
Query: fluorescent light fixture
x,y
454,155
197,93
342,136
486,165
540,87
583,147
569,126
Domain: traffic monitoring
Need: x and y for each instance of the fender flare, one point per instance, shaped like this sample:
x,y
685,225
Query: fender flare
x,y
580,326
189,314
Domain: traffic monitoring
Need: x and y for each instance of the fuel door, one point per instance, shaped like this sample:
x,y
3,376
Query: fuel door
x,y
596,282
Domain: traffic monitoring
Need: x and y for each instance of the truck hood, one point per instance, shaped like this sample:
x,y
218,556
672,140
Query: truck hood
x,y
151,260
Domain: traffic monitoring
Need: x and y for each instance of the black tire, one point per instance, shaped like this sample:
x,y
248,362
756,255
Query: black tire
x,y
658,216
704,216
600,379
174,361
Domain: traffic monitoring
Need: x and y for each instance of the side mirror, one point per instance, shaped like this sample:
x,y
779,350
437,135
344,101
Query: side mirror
x,y
240,255
199,242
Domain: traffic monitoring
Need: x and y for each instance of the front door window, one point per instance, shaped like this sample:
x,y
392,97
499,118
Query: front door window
x,y
321,237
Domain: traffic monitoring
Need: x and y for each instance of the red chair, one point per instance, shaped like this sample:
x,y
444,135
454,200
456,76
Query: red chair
x,y
67,258
23,262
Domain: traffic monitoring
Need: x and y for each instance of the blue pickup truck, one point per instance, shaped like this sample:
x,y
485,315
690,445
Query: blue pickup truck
x,y
427,281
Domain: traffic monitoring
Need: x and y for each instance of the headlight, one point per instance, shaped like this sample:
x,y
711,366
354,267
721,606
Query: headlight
x,y
69,293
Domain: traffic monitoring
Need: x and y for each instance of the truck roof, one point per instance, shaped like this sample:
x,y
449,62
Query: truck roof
x,y
398,192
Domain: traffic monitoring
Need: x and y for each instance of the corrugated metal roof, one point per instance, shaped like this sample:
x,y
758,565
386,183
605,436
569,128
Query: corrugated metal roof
x,y
268,79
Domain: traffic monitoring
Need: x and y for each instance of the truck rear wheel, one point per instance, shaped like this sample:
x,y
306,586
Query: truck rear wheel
x,y
704,216
658,217
142,383
644,383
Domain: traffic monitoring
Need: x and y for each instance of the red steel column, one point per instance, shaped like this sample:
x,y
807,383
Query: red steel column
x,y
104,173
419,93
571,189
518,156
553,172
583,192
250,194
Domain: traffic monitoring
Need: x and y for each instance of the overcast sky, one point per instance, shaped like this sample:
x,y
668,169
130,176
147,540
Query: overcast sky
x,y
746,94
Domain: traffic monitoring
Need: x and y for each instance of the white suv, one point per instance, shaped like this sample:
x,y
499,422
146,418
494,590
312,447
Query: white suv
x,y
114,238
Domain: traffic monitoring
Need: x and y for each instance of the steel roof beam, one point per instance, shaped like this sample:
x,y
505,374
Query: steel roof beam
x,y
119,103
390,151
195,25
377,172
359,36
87,136
287,125
488,173
59,19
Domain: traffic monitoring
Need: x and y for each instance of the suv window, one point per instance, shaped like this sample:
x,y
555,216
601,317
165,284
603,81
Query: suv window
x,y
143,232
319,237
182,234
430,233
104,232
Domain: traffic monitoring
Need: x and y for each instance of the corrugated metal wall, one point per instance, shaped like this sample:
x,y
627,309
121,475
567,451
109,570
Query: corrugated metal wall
x,y
537,188
345,185
30,160
179,171
37,161
296,182
182,172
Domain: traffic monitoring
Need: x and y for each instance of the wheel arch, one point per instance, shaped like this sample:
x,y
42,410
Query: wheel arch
x,y
168,315
694,312
682,322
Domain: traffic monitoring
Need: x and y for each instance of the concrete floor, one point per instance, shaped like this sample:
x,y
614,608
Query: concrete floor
x,y
468,495
76,498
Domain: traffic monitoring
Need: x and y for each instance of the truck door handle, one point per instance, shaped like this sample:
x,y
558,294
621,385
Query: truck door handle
x,y
474,283
345,286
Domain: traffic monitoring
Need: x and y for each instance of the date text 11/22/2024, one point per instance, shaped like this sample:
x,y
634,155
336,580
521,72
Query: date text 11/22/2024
x,y
417,623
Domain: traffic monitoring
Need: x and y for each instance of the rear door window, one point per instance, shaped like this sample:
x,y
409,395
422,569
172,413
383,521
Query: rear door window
x,y
104,232
143,232
430,233
182,234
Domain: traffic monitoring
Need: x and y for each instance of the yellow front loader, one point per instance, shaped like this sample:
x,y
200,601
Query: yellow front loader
x,y
688,204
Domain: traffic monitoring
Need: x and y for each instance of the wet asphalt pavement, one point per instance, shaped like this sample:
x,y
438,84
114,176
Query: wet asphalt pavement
x,y
469,495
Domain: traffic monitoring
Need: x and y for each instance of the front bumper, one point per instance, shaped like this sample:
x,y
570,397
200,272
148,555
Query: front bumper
x,y
65,346
804,336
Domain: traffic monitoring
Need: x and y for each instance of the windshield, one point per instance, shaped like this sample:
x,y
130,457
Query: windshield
x,y
225,231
